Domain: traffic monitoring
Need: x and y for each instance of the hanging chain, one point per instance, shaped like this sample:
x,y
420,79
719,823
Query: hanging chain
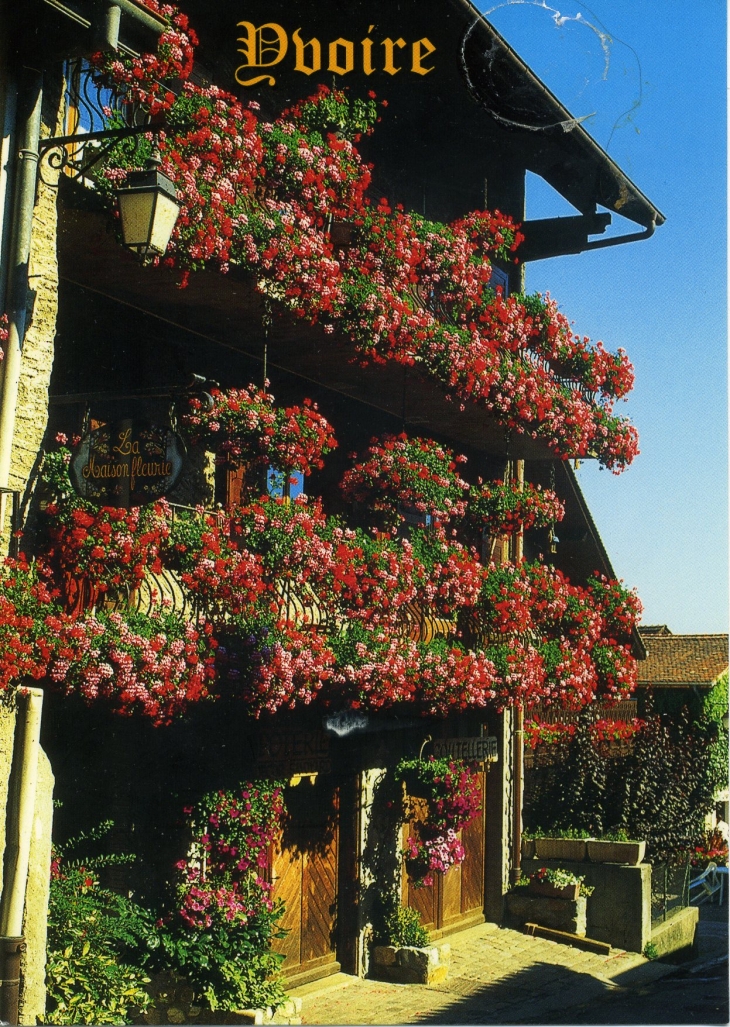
x,y
267,319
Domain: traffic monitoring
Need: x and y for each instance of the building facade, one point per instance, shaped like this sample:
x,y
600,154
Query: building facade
x,y
96,337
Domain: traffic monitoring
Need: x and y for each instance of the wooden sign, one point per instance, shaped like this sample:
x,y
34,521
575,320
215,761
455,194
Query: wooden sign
x,y
483,750
126,463
280,754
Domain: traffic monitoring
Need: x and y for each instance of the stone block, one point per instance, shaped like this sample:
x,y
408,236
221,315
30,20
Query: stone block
x,y
384,955
619,910
560,914
676,936
411,965
254,1016
437,974
417,959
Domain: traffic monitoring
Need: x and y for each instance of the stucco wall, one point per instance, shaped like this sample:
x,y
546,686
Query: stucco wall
x,y
32,995
33,968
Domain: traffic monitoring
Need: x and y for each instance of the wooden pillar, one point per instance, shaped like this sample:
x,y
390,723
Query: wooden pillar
x,y
518,729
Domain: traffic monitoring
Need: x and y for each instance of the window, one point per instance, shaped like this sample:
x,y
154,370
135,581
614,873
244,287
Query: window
x,y
280,484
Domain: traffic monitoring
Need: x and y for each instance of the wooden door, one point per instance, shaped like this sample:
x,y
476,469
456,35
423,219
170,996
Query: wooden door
x,y
304,872
456,899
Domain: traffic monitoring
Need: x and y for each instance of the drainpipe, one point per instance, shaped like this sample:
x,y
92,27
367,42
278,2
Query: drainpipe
x,y
19,830
518,730
30,98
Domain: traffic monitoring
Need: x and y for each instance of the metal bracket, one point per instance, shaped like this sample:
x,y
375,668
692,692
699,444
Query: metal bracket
x,y
70,151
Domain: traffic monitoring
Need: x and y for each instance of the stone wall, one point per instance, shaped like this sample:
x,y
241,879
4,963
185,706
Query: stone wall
x,y
619,910
38,348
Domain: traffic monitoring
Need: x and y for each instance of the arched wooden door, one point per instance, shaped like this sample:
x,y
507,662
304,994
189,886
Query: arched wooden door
x,y
456,899
305,875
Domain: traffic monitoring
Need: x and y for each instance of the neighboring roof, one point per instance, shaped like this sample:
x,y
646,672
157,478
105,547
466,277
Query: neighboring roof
x,y
654,629
681,661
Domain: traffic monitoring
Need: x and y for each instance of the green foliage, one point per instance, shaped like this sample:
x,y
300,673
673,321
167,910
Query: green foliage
x,y
230,969
567,832
650,951
87,985
403,926
98,942
616,836
660,791
715,702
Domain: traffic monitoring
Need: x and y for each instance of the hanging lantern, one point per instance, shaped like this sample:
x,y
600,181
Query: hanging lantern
x,y
148,209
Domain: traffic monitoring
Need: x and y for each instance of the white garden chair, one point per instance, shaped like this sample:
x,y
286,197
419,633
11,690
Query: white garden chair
x,y
710,882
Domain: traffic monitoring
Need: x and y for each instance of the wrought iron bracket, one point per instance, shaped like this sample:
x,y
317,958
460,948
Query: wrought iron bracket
x,y
72,151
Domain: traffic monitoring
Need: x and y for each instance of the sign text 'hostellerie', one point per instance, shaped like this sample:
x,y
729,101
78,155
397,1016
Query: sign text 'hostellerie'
x,y
264,46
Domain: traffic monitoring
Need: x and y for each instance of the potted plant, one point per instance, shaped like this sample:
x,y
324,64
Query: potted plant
x,y
528,845
447,798
407,958
556,883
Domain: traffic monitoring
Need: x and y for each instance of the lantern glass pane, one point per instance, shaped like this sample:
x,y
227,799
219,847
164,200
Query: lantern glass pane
x,y
166,211
136,210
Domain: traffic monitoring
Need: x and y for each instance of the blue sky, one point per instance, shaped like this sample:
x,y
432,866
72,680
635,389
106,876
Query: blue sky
x,y
651,77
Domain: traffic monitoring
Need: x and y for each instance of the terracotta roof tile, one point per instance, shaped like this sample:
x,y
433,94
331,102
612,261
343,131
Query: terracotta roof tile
x,y
683,660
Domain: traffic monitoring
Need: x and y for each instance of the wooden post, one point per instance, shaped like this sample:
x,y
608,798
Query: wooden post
x,y
518,738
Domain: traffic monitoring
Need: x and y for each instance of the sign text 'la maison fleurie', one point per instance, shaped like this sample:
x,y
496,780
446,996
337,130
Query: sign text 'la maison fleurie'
x,y
126,463
267,46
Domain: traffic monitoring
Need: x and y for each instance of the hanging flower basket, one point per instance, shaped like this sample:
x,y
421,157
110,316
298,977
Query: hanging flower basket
x,y
398,471
441,796
503,508
244,426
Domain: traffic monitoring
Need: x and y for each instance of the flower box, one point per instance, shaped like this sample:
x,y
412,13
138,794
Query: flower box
x,y
548,890
573,849
629,852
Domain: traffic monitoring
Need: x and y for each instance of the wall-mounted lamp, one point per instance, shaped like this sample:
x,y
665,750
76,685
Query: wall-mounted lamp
x,y
148,209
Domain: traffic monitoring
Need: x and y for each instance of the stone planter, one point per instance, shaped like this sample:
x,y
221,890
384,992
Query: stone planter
x,y
630,853
561,848
560,914
409,965
553,891
528,848
174,1002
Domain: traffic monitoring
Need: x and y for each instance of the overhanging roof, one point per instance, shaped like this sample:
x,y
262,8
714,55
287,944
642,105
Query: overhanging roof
x,y
559,149
480,114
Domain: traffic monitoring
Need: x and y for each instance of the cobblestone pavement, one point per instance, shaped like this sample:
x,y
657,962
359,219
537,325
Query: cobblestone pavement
x,y
499,976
